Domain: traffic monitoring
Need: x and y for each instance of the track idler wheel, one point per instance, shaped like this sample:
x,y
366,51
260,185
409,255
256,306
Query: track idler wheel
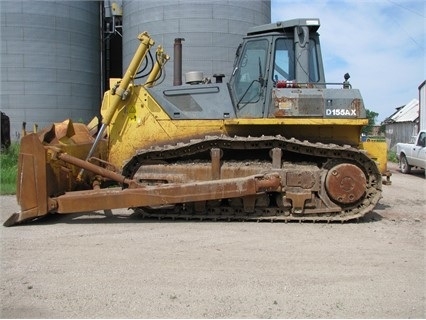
x,y
345,183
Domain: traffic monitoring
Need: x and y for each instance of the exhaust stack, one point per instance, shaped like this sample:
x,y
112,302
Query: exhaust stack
x,y
177,62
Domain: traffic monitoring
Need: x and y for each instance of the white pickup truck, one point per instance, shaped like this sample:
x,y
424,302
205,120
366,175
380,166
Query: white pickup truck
x,y
412,154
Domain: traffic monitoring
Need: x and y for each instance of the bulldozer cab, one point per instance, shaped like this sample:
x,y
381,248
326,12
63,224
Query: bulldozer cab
x,y
279,55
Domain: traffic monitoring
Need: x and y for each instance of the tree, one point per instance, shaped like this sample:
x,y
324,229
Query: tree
x,y
371,116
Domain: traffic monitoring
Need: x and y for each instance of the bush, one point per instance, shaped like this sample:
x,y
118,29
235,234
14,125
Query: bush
x,y
8,169
392,156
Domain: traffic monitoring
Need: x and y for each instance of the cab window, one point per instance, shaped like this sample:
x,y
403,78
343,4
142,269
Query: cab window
x,y
285,62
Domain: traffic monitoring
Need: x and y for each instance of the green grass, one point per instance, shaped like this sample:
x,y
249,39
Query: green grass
x,y
8,169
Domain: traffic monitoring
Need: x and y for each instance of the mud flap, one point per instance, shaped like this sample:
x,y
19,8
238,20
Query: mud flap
x,y
31,189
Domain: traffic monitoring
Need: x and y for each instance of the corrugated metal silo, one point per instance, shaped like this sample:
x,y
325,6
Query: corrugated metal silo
x,y
50,65
212,30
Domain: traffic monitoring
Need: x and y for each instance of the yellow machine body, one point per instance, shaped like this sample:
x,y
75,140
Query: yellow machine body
x,y
141,123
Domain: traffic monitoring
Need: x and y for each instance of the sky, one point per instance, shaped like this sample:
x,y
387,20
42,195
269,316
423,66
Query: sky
x,y
381,44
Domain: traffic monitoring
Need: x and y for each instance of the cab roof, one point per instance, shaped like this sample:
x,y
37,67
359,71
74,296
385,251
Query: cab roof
x,y
280,26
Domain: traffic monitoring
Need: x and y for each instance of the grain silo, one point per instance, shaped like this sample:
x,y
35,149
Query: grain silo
x,y
212,30
50,67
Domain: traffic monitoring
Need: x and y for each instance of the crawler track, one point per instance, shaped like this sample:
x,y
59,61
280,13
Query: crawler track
x,y
295,154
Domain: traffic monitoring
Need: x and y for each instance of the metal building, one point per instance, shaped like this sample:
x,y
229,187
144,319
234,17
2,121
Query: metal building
x,y
56,55
50,62
212,30
403,124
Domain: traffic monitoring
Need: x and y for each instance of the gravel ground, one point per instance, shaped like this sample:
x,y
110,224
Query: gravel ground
x,y
101,266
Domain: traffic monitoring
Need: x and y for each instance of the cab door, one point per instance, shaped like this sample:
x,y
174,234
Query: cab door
x,y
248,81
419,152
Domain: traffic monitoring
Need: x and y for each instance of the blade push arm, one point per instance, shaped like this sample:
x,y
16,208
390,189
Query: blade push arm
x,y
120,93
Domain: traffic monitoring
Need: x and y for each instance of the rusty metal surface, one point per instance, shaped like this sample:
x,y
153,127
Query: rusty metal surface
x,y
164,194
346,183
298,200
357,105
305,178
299,102
95,169
296,102
31,191
215,154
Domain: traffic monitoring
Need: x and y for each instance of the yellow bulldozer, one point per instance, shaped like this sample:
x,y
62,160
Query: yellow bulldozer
x,y
276,142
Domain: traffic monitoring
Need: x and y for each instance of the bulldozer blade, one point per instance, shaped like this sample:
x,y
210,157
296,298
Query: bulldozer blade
x,y
31,189
12,220
37,185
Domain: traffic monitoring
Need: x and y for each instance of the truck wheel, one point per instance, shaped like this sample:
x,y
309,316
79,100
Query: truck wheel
x,y
403,164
